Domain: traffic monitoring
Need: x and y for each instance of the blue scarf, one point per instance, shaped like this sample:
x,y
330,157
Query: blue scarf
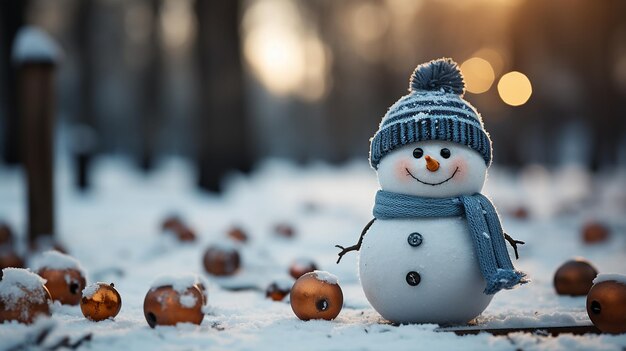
x,y
484,226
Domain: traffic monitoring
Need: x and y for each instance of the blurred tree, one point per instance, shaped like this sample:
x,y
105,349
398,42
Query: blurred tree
x,y
221,134
566,48
83,148
12,17
362,85
151,84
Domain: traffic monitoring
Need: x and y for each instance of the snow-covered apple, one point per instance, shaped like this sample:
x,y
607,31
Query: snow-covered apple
x,y
316,295
100,301
65,277
174,299
23,296
606,303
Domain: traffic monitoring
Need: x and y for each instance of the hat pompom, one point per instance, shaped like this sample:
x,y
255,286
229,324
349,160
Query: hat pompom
x,y
437,75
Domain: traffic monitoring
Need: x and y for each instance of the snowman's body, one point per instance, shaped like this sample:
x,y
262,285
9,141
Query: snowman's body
x,y
418,263
450,288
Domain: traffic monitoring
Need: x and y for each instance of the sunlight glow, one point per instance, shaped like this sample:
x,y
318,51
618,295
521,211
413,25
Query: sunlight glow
x,y
369,22
478,74
177,23
495,58
514,88
283,54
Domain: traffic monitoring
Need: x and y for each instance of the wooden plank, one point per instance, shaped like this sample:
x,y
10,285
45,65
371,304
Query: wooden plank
x,y
546,330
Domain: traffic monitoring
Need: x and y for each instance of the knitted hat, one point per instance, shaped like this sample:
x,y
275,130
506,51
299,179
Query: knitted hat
x,y
434,109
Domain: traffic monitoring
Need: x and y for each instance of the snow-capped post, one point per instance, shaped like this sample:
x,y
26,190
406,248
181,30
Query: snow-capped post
x,y
36,56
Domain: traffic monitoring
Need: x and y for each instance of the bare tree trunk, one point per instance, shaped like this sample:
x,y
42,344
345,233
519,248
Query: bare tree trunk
x,y
12,13
579,42
151,105
221,133
608,123
358,85
84,149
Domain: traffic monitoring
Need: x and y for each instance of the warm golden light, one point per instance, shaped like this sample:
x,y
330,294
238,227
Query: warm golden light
x,y
283,54
514,88
494,56
276,58
177,23
478,75
369,22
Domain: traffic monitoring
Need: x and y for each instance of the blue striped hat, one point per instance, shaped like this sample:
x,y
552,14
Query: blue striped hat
x,y
434,109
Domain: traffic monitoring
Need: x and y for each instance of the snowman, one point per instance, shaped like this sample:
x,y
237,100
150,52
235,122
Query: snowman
x,y
435,251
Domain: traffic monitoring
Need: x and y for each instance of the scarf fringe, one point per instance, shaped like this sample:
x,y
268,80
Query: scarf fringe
x,y
505,279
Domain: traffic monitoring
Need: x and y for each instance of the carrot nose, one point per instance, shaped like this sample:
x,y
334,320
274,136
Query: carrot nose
x,y
431,164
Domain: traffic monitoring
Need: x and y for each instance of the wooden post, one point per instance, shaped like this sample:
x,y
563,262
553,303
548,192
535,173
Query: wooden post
x,y
35,56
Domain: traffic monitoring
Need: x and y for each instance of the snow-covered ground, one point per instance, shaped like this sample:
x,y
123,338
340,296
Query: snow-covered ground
x,y
114,231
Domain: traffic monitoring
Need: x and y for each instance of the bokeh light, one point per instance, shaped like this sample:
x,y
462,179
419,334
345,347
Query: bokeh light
x,y
369,22
478,75
496,57
272,47
177,23
514,88
284,54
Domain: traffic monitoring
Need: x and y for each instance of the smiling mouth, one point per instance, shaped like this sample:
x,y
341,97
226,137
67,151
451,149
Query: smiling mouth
x,y
433,184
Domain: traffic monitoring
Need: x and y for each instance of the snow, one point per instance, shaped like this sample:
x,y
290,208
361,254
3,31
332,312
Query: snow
x,y
619,278
53,259
179,282
114,231
18,283
327,277
187,300
227,246
34,45
283,284
91,289
302,263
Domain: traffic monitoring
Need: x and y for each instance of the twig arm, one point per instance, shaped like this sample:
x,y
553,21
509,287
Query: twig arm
x,y
513,244
357,247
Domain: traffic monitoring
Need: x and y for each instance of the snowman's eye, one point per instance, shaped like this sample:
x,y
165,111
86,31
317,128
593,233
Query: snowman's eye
x,y
445,153
417,153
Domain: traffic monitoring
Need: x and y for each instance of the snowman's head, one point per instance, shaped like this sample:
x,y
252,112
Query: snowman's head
x,y
432,168
432,142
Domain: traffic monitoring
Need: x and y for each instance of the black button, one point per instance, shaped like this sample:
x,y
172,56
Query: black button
x,y
415,239
413,278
